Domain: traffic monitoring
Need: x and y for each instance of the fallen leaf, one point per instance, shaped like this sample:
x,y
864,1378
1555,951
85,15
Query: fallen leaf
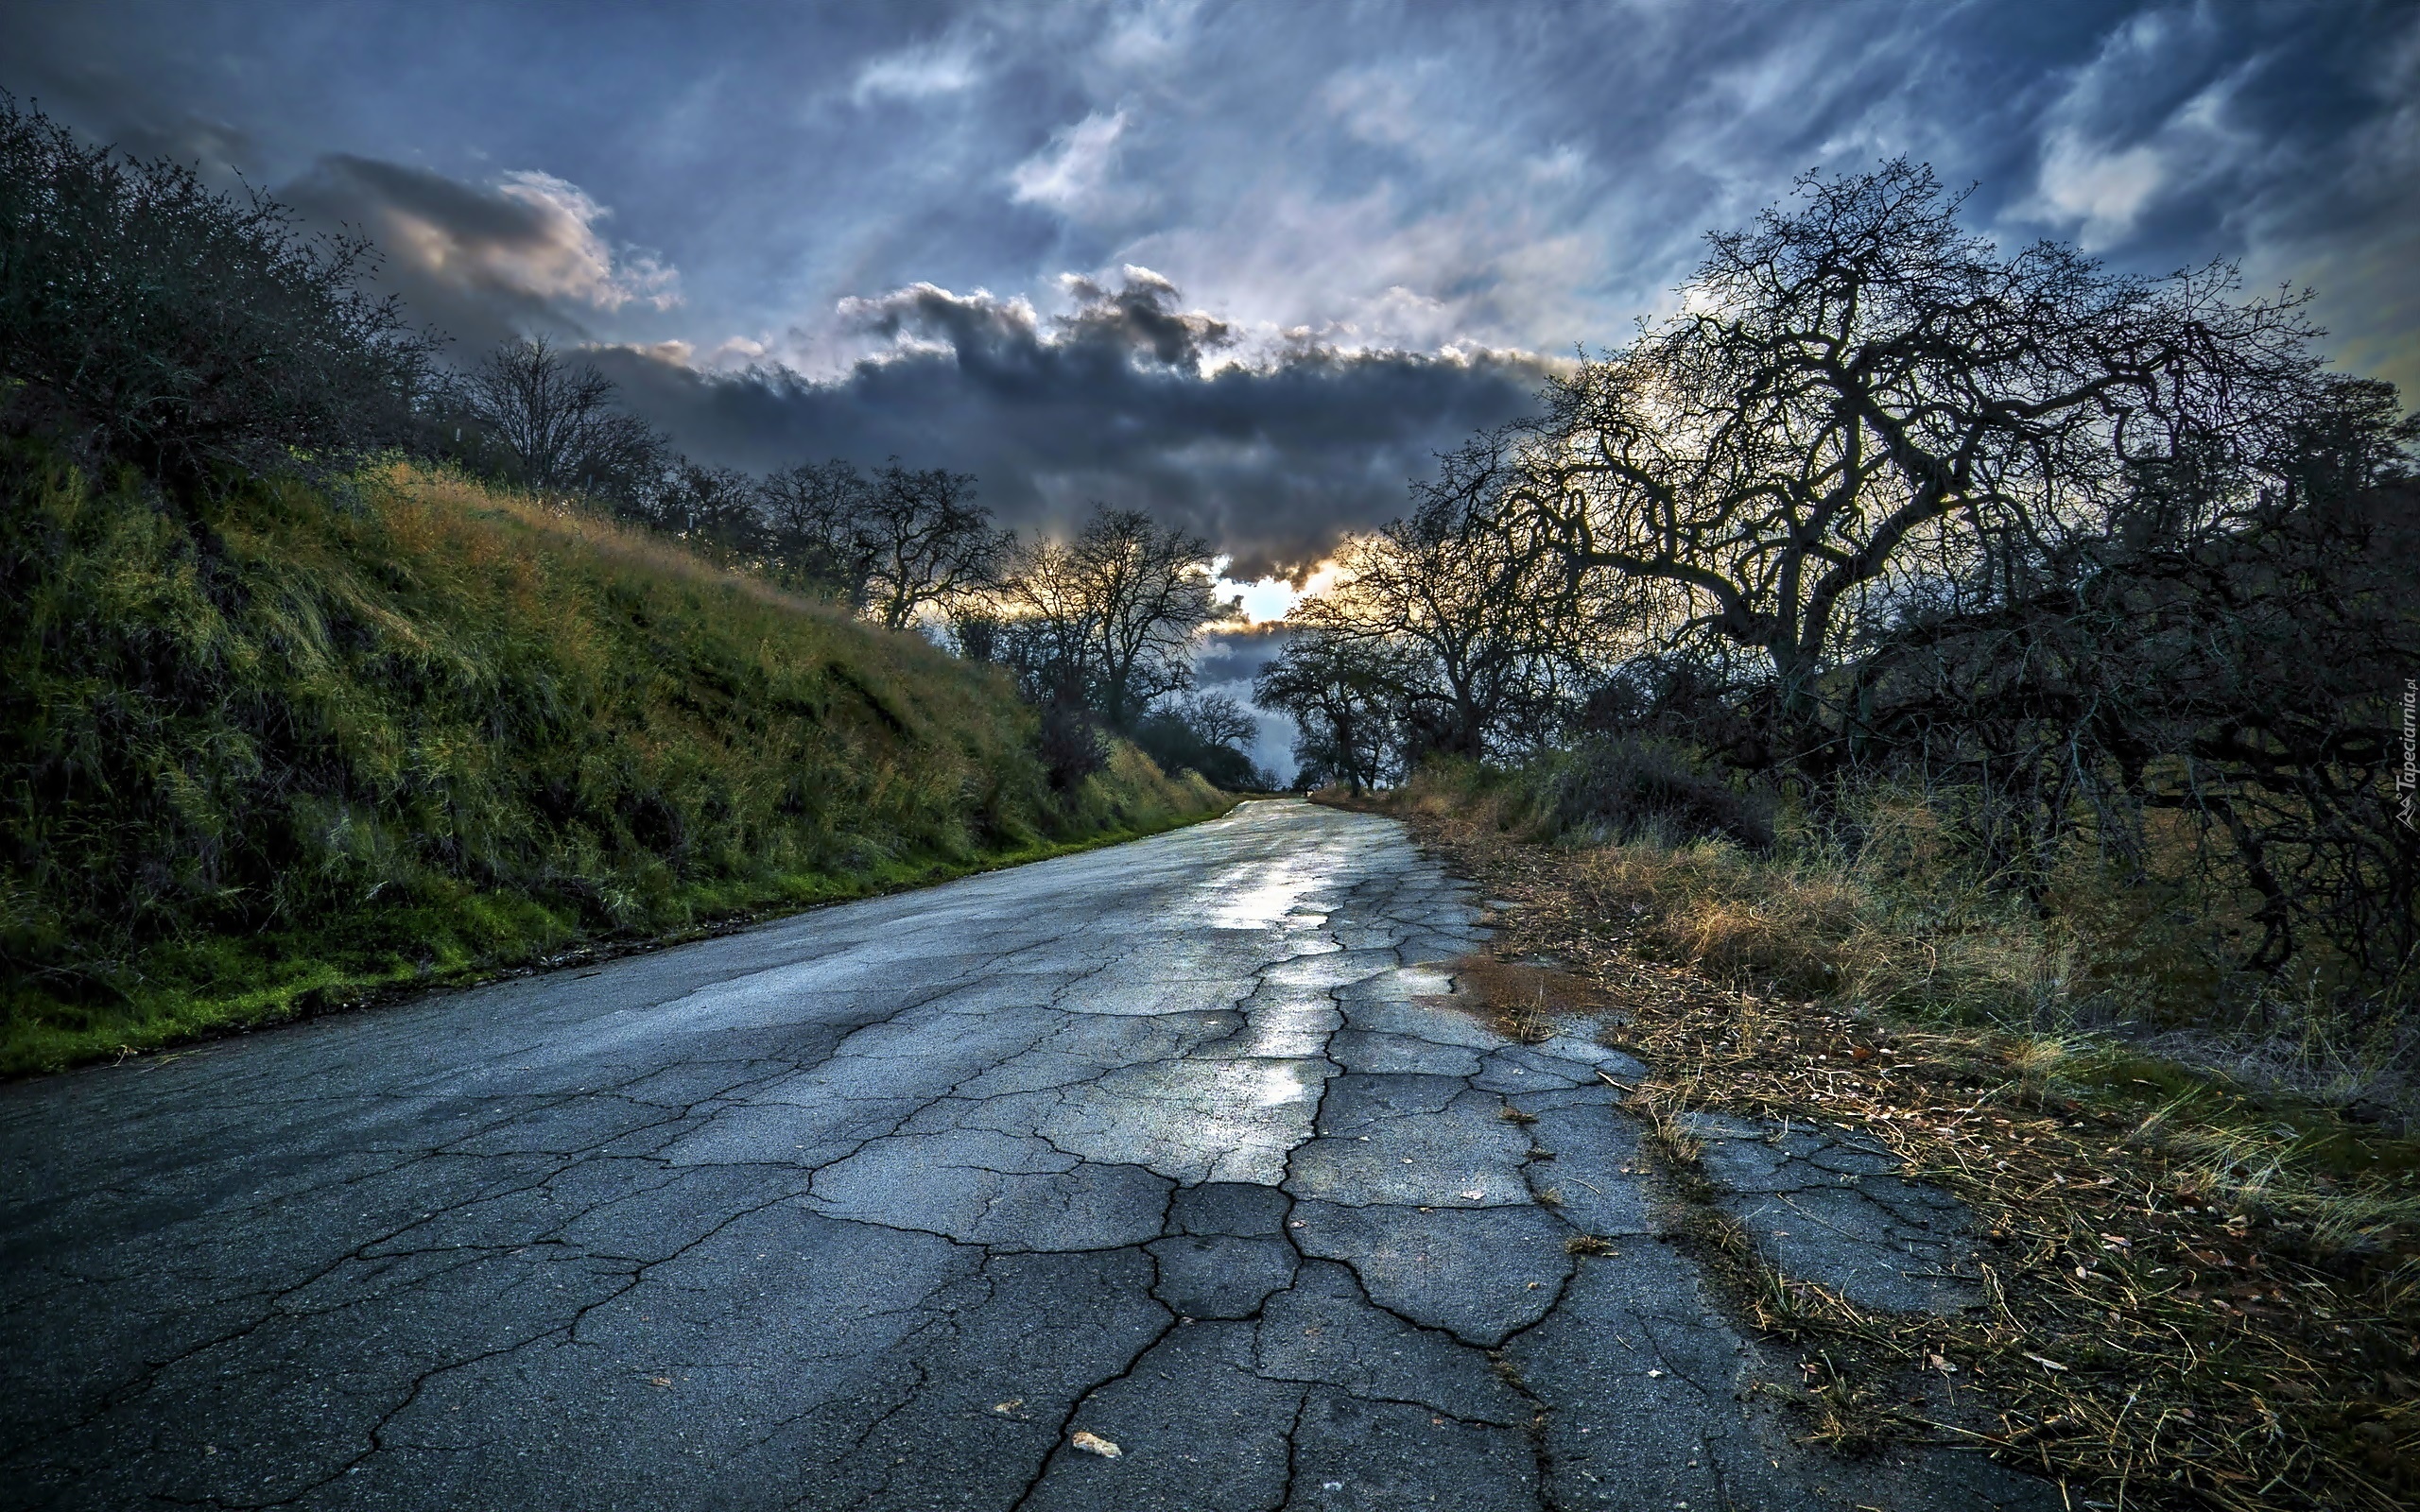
x,y
659,1381
1009,1407
1092,1443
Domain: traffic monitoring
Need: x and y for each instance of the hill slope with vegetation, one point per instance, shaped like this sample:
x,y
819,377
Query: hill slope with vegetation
x,y
273,752
333,670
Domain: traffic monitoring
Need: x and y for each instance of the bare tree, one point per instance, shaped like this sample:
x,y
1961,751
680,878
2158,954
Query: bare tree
x,y
1859,396
1114,611
809,514
2245,677
1218,718
1045,625
2068,547
718,506
556,425
1480,633
1341,695
1209,734
893,544
925,541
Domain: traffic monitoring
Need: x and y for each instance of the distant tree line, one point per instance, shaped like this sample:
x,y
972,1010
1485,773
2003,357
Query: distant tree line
x,y
1098,630
149,320
2088,557
892,545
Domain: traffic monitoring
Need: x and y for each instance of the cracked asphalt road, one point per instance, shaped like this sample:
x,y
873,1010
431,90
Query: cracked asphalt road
x,y
1174,1142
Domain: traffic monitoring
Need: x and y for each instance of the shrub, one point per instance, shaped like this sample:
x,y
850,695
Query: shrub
x,y
1892,920
183,330
1071,747
1205,735
1632,788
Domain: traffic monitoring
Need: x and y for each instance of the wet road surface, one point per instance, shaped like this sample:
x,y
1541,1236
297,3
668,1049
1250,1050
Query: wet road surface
x,y
1172,1143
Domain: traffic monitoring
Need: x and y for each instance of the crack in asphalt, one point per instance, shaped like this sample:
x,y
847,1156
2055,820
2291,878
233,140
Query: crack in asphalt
x,y
1180,1143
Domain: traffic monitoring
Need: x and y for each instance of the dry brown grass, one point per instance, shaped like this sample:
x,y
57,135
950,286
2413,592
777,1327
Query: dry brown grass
x,y
2193,1297
433,501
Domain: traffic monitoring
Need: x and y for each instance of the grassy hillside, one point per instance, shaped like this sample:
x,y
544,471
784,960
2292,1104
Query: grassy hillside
x,y
293,751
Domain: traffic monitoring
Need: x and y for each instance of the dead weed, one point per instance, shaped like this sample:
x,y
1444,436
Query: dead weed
x,y
2190,1299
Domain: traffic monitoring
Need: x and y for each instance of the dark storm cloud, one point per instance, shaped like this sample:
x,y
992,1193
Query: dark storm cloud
x,y
483,262
1136,321
1226,662
1230,656
1121,400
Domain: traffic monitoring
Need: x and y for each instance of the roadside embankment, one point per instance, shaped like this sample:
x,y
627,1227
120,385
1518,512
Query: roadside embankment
x,y
2197,1291
277,752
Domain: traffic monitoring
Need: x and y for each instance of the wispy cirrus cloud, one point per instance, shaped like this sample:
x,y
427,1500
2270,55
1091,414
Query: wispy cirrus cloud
x,y
1074,174
919,72
2292,150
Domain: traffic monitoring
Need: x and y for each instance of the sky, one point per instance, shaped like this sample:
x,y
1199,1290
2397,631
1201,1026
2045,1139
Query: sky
x,y
1247,266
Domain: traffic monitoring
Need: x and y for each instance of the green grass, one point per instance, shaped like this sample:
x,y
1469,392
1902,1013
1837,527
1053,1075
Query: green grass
x,y
290,752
